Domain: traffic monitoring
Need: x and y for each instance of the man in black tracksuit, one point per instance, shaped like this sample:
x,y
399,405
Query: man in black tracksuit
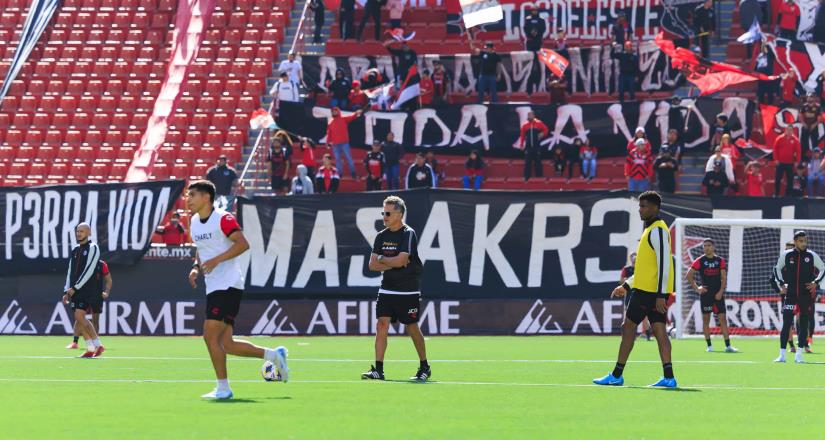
x,y
420,174
346,19
798,273
372,8
82,288
704,24
628,70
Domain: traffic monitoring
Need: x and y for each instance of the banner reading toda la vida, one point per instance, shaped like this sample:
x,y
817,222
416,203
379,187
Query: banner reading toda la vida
x,y
585,19
492,244
494,129
37,231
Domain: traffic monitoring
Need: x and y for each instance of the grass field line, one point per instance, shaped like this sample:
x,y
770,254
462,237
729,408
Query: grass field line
x,y
436,361
405,382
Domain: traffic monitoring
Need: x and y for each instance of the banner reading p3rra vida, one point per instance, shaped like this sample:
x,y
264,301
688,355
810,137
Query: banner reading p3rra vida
x,y
37,229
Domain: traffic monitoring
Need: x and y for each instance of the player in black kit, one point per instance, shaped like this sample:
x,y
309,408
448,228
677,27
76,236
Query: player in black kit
x,y
713,271
395,255
798,272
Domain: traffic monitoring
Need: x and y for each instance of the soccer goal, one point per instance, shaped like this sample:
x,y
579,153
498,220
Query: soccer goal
x,y
751,249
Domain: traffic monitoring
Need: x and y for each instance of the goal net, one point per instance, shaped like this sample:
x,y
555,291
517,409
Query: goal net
x,y
751,249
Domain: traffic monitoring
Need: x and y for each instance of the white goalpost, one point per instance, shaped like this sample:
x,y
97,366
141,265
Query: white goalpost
x,y
751,248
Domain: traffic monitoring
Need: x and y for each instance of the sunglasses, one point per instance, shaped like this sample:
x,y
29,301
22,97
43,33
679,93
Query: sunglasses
x,y
387,213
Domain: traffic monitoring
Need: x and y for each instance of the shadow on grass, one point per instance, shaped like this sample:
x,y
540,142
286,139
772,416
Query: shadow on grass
x,y
670,390
413,382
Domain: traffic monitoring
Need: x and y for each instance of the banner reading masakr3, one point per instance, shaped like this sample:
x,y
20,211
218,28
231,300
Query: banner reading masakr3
x,y
491,244
37,224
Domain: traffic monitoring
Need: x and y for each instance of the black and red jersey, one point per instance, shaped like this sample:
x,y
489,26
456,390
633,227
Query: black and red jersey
x,y
710,270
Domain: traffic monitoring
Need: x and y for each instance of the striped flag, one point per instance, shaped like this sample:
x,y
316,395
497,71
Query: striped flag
x,y
37,20
476,12
409,90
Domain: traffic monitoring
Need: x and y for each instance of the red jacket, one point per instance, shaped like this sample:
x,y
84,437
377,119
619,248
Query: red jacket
x,y
789,14
337,129
530,128
638,165
755,186
358,99
784,149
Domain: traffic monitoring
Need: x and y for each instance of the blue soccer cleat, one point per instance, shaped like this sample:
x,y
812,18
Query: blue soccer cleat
x,y
665,383
609,380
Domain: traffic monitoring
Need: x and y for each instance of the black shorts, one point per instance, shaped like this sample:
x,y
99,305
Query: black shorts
x,y
711,305
642,305
223,305
403,308
85,303
278,182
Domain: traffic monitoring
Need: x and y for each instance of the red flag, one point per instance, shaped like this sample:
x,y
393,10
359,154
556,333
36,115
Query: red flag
x,y
555,62
713,82
769,126
709,76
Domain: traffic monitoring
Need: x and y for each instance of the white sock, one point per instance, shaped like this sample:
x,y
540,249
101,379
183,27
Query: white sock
x,y
270,354
223,384
781,352
90,345
96,341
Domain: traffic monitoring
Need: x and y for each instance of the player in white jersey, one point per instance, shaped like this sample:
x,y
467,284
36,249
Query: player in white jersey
x,y
219,240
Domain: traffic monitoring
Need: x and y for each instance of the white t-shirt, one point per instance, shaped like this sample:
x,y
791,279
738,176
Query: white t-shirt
x,y
292,68
285,91
212,239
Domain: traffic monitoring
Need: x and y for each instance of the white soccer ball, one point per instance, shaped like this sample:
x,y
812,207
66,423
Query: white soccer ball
x,y
269,372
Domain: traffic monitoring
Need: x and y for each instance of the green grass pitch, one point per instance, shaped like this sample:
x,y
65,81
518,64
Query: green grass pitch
x,y
482,387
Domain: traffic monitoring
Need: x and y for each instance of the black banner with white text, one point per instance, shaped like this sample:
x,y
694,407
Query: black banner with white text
x,y
492,244
38,223
494,129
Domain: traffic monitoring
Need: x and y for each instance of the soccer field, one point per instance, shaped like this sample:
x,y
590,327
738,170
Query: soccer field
x,y
482,387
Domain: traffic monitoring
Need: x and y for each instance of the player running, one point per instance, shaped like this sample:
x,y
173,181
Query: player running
x,y
104,279
395,255
649,289
798,272
81,289
713,271
775,286
219,240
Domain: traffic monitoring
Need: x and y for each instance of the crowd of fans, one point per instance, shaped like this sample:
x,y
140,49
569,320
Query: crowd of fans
x,y
797,153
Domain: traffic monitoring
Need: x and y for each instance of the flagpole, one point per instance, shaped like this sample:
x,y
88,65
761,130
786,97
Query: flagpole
x,y
689,109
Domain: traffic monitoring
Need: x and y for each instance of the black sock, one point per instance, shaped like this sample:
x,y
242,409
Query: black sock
x,y
424,364
379,366
668,368
75,339
708,341
618,370
727,342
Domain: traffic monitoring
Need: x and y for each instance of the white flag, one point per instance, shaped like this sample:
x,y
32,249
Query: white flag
x,y
476,12
753,34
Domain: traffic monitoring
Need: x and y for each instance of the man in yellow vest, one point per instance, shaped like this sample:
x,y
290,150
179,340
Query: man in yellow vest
x,y
649,287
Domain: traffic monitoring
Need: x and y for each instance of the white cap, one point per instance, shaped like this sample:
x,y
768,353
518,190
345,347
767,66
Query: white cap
x,y
638,129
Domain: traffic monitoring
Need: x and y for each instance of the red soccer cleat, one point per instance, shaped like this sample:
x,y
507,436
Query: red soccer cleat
x,y
72,346
808,350
87,355
99,351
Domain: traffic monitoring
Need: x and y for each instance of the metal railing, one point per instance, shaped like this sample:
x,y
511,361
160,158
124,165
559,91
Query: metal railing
x,y
256,162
